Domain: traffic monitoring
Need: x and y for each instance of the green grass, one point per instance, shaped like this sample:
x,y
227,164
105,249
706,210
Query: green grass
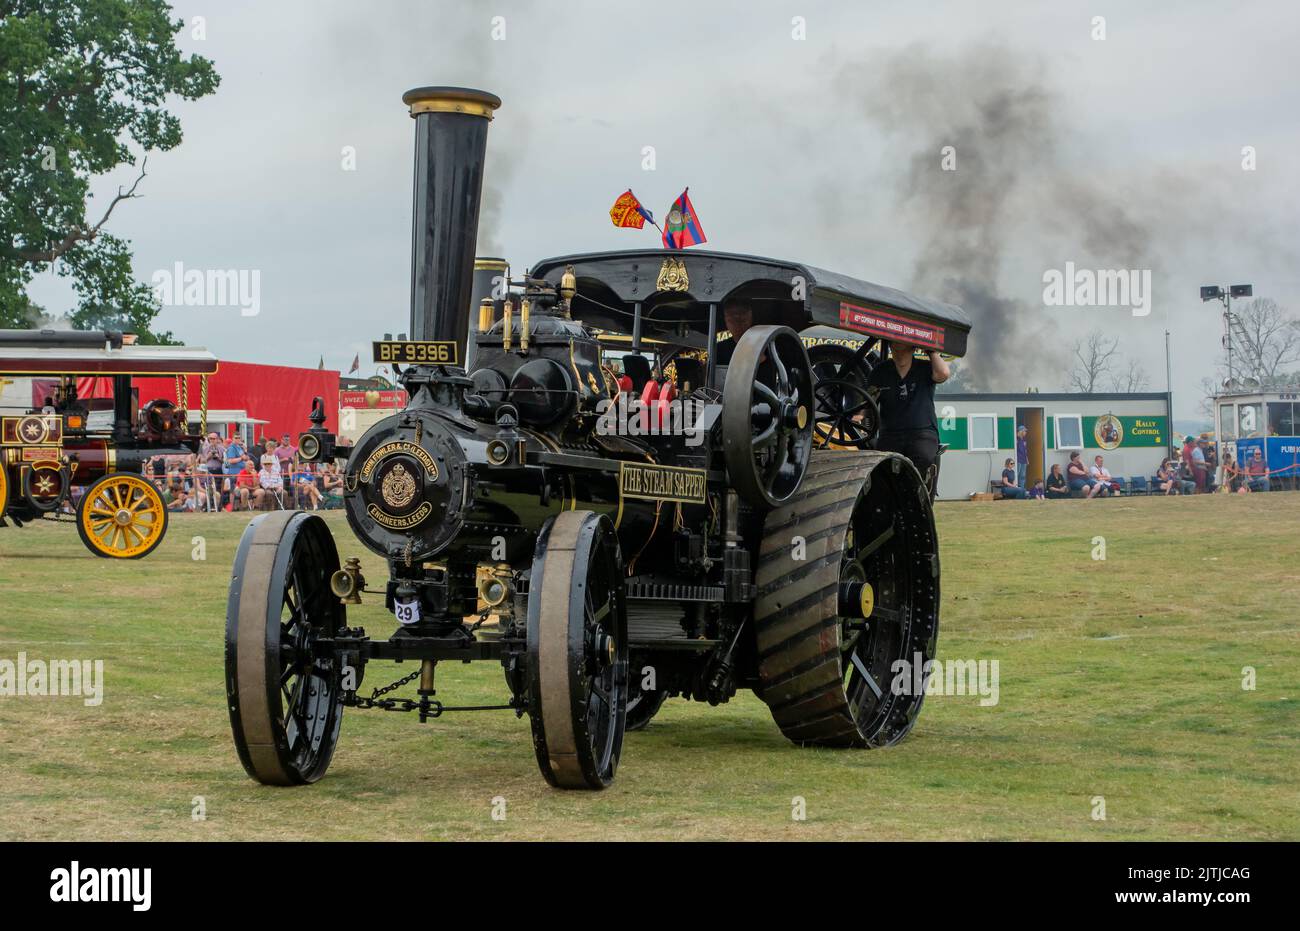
x,y
1118,678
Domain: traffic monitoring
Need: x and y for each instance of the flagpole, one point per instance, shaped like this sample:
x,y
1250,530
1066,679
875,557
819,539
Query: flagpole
x,y
653,222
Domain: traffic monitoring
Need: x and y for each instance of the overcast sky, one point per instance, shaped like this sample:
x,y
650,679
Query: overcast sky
x,y
824,149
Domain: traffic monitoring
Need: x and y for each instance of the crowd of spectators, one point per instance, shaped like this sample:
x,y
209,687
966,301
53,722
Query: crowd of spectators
x,y
1192,470
226,476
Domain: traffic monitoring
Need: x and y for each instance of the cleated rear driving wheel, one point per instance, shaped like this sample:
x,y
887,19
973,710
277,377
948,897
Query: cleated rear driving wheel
x,y
577,651
285,701
832,625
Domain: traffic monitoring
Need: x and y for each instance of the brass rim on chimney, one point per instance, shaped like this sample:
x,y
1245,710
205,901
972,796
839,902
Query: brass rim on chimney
x,y
451,100
484,264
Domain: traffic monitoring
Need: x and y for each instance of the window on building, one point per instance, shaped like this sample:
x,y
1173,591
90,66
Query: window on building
x,y
1228,421
1069,431
983,432
1250,419
1281,418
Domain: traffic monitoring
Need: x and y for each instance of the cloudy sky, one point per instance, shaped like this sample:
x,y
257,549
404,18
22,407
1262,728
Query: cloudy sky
x,y
1122,152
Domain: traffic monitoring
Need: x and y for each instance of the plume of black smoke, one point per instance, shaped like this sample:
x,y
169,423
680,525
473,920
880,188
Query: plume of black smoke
x,y
997,110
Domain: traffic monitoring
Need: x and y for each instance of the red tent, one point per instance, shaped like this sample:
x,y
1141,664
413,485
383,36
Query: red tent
x,y
279,394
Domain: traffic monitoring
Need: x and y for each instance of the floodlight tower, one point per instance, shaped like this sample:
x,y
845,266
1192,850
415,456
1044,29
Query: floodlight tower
x,y
1225,296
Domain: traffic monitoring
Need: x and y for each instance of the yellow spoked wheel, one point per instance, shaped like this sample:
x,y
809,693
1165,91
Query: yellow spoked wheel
x,y
121,516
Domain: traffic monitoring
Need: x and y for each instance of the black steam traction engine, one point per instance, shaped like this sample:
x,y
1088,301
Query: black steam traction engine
x,y
759,544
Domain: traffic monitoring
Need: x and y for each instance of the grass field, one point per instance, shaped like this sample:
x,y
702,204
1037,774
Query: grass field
x,y
1119,678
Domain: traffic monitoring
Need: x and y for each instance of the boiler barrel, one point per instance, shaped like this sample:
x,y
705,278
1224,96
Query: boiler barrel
x,y
63,338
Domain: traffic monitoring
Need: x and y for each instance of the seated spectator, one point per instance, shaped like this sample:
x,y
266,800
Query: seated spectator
x,y
332,483
1102,475
1009,488
304,486
1038,491
245,485
1079,479
1256,472
1056,486
202,487
179,490
270,485
1167,478
1183,475
1232,475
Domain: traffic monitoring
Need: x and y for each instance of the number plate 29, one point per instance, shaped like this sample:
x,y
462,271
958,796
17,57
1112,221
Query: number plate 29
x,y
406,612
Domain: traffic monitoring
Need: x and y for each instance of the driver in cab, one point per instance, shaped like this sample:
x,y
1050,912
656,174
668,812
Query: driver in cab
x,y
738,316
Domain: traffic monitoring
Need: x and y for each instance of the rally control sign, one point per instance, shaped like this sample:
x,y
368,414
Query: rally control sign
x,y
889,326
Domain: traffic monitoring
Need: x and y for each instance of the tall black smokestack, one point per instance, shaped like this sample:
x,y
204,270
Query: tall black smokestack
x,y
451,126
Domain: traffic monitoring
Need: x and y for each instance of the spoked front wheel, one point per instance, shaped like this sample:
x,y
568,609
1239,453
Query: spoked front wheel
x,y
285,702
577,651
121,516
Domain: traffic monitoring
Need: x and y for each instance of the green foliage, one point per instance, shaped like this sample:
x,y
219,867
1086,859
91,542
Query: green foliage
x,y
82,82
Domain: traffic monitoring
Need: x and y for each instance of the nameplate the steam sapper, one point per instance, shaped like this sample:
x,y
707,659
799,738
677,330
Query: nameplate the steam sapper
x,y
417,352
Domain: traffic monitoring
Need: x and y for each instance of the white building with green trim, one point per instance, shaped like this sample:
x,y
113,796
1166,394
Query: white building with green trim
x,y
1130,430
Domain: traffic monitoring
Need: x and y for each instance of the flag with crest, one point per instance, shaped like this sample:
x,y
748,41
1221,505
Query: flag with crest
x,y
683,228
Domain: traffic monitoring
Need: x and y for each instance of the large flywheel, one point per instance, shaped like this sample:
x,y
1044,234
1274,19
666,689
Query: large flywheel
x,y
285,700
767,415
577,651
845,415
838,610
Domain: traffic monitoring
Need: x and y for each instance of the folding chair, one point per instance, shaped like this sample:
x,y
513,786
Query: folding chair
x,y
1139,485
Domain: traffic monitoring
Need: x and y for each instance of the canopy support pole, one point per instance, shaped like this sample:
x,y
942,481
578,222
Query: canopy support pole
x,y
713,345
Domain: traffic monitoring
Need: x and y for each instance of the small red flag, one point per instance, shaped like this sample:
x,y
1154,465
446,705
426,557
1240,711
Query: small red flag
x,y
627,211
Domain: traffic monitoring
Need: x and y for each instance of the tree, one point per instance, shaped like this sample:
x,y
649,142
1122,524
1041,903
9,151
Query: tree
x,y
1265,341
1132,379
80,80
1093,362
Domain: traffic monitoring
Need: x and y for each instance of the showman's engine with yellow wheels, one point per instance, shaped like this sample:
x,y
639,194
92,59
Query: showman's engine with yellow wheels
x,y
61,452
604,500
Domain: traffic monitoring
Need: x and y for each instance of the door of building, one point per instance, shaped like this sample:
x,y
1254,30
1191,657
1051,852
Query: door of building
x,y
1032,419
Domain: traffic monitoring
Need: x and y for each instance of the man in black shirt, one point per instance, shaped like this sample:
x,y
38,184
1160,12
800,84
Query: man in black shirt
x,y
906,399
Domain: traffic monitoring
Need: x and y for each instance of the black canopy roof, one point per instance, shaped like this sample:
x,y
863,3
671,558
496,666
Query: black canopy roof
x,y
610,284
